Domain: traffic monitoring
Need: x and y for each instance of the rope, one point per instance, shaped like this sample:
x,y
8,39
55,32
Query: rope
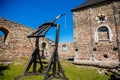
x,y
65,22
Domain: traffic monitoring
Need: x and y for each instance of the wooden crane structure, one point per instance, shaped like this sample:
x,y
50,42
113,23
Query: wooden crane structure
x,y
54,68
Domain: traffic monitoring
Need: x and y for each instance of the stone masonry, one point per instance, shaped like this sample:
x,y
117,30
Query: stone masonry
x,y
96,37
97,33
66,50
15,44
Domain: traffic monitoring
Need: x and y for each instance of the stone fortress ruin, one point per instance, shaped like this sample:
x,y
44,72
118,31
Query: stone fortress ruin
x,y
96,36
15,44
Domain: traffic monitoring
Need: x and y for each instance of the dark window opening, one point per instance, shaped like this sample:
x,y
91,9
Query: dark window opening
x,y
101,18
115,48
76,49
103,33
105,56
43,50
94,49
43,45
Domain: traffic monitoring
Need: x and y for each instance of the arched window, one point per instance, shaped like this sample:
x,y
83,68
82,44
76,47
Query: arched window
x,y
103,33
3,33
64,48
43,45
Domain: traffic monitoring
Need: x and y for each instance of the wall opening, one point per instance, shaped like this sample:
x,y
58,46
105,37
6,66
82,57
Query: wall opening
x,y
3,34
43,50
43,45
103,33
105,56
64,48
101,18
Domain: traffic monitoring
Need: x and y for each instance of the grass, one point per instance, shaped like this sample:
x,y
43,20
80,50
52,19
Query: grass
x,y
72,72
83,73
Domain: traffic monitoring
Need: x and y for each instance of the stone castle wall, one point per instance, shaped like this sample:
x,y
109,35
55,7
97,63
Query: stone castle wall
x,y
86,34
66,50
117,23
16,42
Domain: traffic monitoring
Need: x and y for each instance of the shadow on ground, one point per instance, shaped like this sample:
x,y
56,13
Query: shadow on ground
x,y
114,77
2,68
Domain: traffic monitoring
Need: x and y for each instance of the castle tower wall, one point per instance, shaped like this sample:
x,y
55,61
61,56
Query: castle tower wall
x,y
96,34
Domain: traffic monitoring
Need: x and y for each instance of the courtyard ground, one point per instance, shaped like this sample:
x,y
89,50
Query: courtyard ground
x,y
72,72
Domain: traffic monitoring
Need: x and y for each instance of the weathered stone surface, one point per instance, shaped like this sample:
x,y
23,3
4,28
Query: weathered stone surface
x,y
15,44
86,25
68,52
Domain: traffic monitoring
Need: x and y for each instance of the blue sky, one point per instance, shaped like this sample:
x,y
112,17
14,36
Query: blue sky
x,y
33,13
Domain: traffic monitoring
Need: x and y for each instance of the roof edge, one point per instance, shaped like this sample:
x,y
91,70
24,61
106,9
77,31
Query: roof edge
x,y
90,3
